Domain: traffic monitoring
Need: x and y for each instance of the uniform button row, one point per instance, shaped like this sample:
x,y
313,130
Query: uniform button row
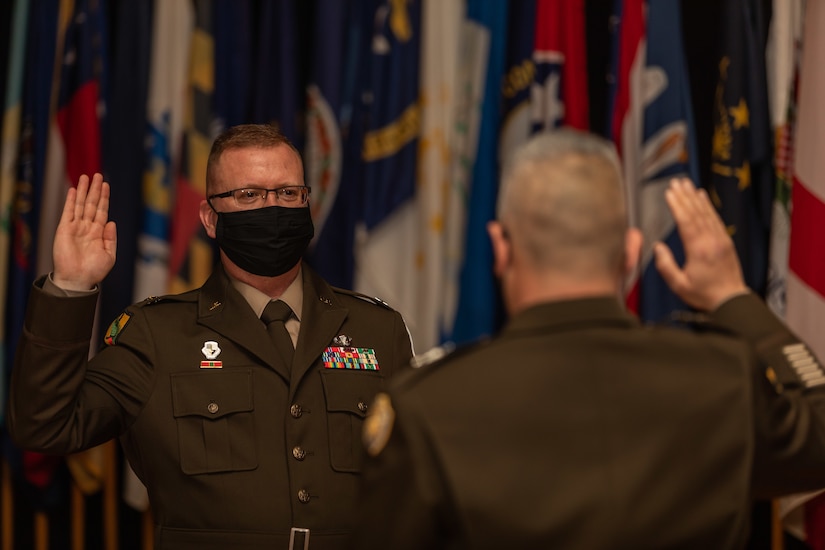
x,y
298,453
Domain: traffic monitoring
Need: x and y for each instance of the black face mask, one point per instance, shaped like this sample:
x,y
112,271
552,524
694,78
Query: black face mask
x,y
266,241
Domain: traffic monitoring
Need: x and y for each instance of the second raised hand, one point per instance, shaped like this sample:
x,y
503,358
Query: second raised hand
x,y
85,242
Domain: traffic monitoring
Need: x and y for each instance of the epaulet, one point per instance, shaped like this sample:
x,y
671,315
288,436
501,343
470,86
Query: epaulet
x,y
371,299
695,321
441,354
182,297
117,326
150,301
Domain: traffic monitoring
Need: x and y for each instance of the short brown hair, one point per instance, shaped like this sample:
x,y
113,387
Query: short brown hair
x,y
243,136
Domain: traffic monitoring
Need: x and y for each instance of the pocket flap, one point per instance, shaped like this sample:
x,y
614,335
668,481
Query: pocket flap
x,y
350,391
212,394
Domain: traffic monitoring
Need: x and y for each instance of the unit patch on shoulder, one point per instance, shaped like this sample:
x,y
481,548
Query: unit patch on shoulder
x,y
116,328
378,424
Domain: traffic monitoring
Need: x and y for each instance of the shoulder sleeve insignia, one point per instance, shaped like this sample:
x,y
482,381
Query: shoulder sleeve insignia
x,y
378,424
116,328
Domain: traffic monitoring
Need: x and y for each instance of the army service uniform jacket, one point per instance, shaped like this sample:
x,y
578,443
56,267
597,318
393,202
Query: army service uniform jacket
x,y
235,448
577,428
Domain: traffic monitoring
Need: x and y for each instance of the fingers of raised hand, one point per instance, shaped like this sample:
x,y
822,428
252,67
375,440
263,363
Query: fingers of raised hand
x,y
89,202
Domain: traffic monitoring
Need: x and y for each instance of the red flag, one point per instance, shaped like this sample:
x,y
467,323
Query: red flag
x,y
74,149
628,109
560,39
805,313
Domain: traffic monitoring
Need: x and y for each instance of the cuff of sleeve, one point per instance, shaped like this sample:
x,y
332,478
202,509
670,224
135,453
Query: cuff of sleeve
x,y
59,318
50,287
748,316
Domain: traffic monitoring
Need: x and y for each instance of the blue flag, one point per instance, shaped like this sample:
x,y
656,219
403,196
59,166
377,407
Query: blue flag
x,y
668,150
35,470
741,161
234,49
277,80
519,74
393,113
123,137
478,313
335,130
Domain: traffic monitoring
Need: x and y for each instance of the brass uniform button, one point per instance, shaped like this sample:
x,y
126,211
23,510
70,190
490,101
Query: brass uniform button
x,y
296,411
362,406
212,407
303,496
298,453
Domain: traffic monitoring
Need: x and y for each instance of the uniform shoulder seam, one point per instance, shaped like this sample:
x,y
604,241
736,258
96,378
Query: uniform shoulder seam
x,y
370,299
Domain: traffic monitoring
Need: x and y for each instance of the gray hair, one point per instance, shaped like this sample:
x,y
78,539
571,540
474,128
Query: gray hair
x,y
562,203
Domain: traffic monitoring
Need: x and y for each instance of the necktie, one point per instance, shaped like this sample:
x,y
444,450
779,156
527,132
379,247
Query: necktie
x,y
275,315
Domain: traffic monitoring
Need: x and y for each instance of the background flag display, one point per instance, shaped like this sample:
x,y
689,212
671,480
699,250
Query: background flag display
x,y
741,183
404,112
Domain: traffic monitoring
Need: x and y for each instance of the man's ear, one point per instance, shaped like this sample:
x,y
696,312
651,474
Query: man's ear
x,y
208,218
502,248
633,240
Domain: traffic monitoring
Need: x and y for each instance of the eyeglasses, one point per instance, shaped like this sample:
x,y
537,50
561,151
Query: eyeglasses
x,y
290,195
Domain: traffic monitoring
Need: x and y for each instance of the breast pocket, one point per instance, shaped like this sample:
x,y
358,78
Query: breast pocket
x,y
213,411
348,395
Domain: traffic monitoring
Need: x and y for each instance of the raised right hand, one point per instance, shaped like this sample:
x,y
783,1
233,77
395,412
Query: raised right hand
x,y
85,241
711,274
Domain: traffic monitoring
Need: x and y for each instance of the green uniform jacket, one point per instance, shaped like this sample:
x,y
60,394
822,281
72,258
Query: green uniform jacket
x,y
577,428
232,457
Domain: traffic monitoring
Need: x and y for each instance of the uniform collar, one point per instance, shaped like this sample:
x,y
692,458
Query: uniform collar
x,y
566,314
293,295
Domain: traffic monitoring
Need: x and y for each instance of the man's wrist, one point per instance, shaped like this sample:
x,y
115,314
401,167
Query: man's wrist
x,y
54,288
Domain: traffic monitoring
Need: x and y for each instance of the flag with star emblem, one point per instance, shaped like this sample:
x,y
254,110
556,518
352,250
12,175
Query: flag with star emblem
x,y
741,180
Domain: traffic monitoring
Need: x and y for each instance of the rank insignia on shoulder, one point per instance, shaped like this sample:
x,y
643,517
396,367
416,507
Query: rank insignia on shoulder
x,y
378,424
807,368
432,355
116,328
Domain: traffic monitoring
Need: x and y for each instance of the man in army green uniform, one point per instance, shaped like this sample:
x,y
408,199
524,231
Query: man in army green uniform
x,y
576,427
241,440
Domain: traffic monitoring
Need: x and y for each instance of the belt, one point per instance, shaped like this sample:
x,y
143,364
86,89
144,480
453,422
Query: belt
x,y
298,538
205,539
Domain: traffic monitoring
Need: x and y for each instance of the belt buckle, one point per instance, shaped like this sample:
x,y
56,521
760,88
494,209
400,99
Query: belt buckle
x,y
300,531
